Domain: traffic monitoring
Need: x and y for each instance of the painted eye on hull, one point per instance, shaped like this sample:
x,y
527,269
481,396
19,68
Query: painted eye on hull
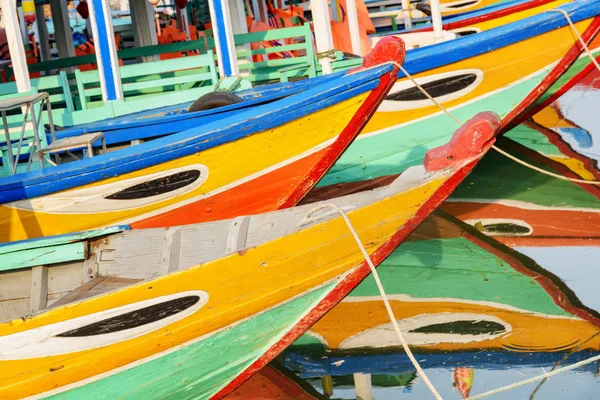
x,y
463,328
502,227
103,328
429,329
125,194
456,6
157,186
133,319
442,87
437,88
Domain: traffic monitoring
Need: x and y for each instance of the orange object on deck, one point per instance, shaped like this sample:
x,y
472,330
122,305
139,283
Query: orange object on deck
x,y
171,34
341,30
88,48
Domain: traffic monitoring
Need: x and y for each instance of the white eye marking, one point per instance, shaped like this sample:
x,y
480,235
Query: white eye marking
x,y
416,330
443,87
505,227
102,328
121,195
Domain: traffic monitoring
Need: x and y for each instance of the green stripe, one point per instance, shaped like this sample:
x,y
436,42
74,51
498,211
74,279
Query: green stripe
x,y
499,178
533,140
42,256
457,269
393,151
199,370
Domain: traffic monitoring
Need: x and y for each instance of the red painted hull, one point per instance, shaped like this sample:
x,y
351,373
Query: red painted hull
x,y
549,226
269,383
351,281
277,189
489,16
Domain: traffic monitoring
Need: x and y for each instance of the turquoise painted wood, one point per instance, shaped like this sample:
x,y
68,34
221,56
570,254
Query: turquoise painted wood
x,y
304,63
57,87
150,78
42,256
71,62
50,250
57,240
195,370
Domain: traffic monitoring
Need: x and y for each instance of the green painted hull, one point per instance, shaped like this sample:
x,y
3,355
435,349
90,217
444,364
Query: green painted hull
x,y
392,151
456,268
496,178
200,369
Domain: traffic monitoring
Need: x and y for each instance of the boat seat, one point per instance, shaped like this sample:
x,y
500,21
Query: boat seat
x,y
85,141
95,287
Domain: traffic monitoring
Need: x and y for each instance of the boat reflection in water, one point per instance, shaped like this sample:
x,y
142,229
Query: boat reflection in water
x,y
477,314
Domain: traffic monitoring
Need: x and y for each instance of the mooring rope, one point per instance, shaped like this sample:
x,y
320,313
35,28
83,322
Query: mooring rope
x,y
496,148
535,378
388,307
572,25
533,167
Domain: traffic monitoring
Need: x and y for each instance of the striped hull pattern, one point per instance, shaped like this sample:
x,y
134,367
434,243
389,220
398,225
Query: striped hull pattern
x,y
502,81
235,326
447,274
521,207
261,172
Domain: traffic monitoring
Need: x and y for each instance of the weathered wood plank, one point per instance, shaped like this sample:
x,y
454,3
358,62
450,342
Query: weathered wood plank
x,y
39,288
42,256
90,265
238,232
74,295
169,260
49,241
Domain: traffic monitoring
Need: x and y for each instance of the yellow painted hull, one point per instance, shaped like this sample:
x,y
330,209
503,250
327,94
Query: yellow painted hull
x,y
354,324
240,287
227,168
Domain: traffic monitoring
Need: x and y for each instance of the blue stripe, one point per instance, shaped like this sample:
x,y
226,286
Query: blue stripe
x,y
222,35
174,119
101,43
455,17
430,57
242,124
312,364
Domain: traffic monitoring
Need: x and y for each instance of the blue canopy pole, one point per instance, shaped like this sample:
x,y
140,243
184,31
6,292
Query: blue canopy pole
x,y
221,22
106,52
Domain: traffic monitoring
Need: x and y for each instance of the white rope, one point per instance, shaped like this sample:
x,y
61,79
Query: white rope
x,y
587,50
535,378
499,150
543,171
388,307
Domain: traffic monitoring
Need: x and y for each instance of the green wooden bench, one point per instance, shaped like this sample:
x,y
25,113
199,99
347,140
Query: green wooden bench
x,y
177,80
126,54
303,65
56,85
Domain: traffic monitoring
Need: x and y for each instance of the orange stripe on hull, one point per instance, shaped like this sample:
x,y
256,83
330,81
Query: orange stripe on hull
x,y
265,193
555,224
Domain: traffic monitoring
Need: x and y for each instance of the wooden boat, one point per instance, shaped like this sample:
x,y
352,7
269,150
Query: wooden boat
x,y
275,381
522,207
456,290
216,301
468,78
386,14
483,71
215,171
